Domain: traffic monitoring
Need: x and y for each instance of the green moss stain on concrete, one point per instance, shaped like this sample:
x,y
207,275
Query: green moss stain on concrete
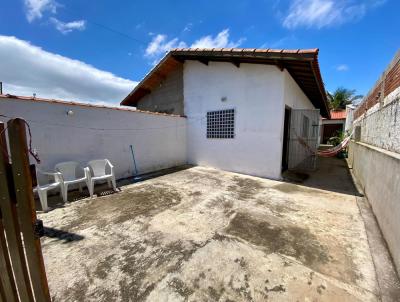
x,y
279,237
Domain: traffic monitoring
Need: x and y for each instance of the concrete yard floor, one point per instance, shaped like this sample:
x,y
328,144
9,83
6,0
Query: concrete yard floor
x,y
202,234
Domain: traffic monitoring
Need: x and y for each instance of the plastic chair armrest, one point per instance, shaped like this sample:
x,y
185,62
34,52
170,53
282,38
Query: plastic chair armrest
x,y
88,175
109,164
58,177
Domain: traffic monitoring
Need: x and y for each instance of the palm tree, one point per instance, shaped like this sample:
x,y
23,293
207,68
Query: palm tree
x,y
342,97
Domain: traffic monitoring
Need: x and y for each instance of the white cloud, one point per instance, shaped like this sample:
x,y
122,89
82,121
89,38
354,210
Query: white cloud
x,y
36,8
221,40
160,44
324,13
26,69
67,27
342,67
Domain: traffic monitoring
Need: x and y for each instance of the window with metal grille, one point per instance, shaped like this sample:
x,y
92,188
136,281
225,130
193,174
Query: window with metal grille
x,y
221,124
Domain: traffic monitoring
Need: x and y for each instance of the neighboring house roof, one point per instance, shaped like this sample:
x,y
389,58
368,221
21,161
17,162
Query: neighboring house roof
x,y
338,115
302,64
61,102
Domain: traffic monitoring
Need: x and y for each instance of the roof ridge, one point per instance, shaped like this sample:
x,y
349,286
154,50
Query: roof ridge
x,y
230,49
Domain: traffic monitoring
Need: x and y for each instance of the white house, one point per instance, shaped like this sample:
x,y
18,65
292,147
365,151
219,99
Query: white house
x,y
349,117
252,111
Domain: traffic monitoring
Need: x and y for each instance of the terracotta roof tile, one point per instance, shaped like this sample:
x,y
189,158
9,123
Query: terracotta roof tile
x,y
338,115
257,50
264,50
271,50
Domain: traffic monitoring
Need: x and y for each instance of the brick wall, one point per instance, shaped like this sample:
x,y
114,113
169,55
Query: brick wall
x,y
392,80
389,82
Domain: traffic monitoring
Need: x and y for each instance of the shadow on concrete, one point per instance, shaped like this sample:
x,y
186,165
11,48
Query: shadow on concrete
x,y
61,235
55,201
332,174
142,177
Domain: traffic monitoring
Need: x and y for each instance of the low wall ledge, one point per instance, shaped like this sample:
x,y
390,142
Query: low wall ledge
x,y
392,154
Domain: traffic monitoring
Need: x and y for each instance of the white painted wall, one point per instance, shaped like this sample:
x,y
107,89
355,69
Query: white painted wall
x,y
378,172
294,97
258,93
349,117
159,141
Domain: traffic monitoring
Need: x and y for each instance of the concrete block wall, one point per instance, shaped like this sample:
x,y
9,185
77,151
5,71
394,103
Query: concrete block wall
x,y
168,97
159,141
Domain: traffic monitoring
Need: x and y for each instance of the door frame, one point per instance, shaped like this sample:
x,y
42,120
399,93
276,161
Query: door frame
x,y
286,138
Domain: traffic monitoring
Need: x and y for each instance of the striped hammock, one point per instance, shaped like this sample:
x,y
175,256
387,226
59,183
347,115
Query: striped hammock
x,y
328,152
335,150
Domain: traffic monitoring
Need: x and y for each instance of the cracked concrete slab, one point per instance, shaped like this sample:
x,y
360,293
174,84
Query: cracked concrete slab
x,y
207,235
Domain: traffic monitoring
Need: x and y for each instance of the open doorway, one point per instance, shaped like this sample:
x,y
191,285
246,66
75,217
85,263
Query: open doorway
x,y
285,148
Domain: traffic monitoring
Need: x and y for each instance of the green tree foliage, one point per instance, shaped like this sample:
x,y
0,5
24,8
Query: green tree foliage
x,y
342,97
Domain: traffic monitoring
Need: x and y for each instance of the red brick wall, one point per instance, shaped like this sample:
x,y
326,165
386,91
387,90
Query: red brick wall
x,y
387,84
392,80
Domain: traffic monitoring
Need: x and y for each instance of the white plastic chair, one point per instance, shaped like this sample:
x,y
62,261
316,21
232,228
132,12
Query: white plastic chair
x,y
98,170
72,174
44,184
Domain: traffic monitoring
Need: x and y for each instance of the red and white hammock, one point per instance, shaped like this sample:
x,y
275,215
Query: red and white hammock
x,y
335,150
328,152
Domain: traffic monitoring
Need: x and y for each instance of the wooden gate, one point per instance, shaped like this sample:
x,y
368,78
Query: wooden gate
x,y
22,273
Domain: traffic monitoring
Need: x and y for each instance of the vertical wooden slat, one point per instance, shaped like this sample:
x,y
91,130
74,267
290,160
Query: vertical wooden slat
x,y
7,283
26,208
4,274
2,293
8,289
11,227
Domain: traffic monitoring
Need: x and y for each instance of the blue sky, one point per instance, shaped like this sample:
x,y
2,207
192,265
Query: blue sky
x,y
97,50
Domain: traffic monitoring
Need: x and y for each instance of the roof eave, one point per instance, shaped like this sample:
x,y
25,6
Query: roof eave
x,y
270,56
125,101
